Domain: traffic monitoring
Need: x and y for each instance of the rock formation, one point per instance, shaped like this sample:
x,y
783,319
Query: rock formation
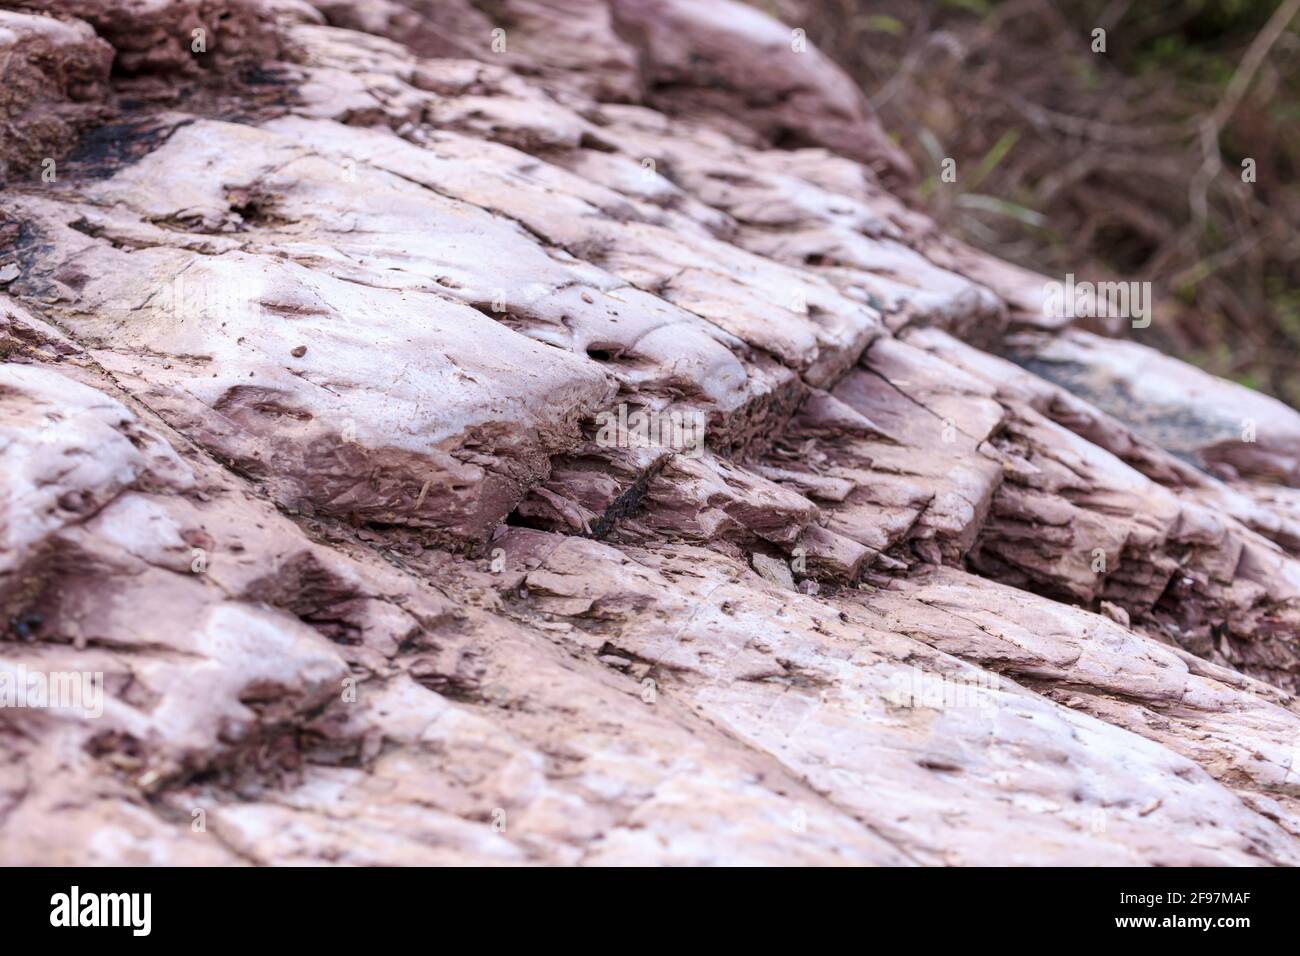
x,y
330,336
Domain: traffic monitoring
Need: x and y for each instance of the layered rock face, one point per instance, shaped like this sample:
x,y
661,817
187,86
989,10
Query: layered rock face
x,y
537,432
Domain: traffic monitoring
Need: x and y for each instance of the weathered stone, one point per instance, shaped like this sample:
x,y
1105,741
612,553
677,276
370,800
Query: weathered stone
x,y
321,405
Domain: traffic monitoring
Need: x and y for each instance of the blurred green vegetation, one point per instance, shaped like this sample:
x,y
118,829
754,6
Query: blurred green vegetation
x,y
1098,163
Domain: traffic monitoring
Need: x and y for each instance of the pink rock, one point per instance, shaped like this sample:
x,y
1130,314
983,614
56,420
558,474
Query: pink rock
x,y
325,523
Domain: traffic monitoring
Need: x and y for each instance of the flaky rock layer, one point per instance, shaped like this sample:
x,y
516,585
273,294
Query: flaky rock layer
x,y
537,432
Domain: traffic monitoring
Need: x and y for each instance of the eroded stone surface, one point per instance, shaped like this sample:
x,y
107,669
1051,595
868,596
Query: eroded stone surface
x,y
52,73
322,396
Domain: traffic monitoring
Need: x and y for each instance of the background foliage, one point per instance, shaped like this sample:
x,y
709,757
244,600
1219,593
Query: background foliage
x,y
1123,164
